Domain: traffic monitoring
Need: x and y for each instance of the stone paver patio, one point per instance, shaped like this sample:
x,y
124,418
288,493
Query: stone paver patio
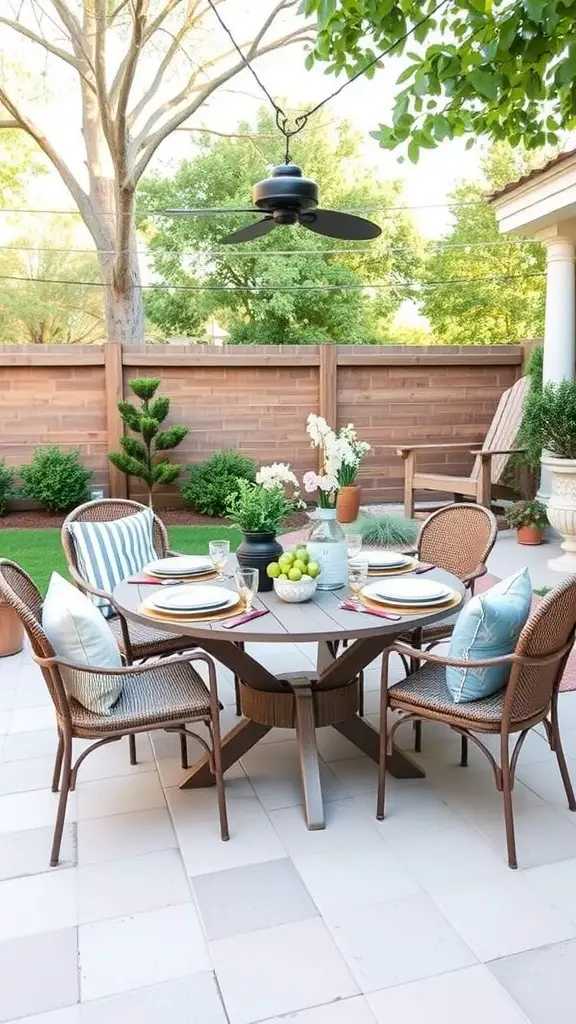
x,y
150,918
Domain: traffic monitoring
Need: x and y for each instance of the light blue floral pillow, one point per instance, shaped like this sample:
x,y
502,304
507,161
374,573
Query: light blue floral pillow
x,y
487,627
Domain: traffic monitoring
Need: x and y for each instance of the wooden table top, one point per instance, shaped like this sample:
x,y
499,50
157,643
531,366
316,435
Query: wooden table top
x,y
313,621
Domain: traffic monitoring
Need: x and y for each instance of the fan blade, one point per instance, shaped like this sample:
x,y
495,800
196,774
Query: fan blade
x,y
339,225
261,227
205,212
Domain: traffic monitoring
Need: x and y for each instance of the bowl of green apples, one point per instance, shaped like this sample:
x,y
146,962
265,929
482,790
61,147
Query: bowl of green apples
x,y
294,575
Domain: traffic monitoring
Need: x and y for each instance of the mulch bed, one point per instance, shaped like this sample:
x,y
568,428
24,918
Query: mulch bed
x,y
34,519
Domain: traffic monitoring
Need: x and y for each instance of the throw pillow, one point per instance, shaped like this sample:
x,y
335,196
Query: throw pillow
x,y
487,627
109,552
78,633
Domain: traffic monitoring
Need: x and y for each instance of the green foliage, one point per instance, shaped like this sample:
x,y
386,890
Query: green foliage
x,y
6,486
186,251
139,458
510,306
255,509
526,513
551,422
475,68
57,480
385,531
210,483
529,438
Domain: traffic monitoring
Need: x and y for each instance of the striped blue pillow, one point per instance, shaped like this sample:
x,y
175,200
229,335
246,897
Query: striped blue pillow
x,y
109,552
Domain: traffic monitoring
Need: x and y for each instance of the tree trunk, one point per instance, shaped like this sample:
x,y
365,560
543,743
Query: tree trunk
x,y
123,303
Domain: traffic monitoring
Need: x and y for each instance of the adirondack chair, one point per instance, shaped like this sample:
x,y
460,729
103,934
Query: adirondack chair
x,y
485,481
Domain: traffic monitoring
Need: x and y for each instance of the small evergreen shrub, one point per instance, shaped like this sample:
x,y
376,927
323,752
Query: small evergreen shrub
x,y
210,484
57,480
6,486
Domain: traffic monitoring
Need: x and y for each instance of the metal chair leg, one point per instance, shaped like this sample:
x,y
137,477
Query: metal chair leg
x,y
418,737
558,750
507,797
58,763
463,751
64,790
383,743
132,747
183,750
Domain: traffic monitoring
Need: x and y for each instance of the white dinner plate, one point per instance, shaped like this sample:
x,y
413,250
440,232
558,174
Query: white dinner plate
x,y
384,559
196,598
409,591
181,565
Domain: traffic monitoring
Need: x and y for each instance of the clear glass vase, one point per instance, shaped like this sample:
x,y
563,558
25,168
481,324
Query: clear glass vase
x,y
326,545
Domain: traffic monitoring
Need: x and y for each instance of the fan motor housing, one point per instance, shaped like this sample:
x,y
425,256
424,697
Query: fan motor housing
x,y
286,189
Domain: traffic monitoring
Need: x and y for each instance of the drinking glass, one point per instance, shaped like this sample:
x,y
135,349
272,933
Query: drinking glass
x,y
247,583
353,544
357,577
219,553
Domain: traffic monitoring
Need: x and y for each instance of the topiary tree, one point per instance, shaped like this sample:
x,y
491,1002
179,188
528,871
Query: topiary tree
x,y
140,458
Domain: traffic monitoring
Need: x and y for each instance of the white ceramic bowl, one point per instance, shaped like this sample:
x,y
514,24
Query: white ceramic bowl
x,y
295,593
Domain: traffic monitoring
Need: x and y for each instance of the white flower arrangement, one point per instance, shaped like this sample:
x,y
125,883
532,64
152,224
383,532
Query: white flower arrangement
x,y
342,454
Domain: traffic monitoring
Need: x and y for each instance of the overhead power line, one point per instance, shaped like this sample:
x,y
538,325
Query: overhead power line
x,y
352,209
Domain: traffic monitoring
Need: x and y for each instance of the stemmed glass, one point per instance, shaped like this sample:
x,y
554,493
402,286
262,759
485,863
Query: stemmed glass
x,y
247,583
219,553
353,544
357,577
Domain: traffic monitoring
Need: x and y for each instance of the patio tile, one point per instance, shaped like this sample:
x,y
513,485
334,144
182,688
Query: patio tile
x,y
433,857
71,1015
33,695
541,982
38,903
278,970
250,898
54,955
28,853
114,759
19,811
5,721
131,886
544,780
398,941
119,795
130,952
39,743
543,835
412,808
471,994
334,747
125,835
346,1011
274,772
192,1000
7,698
32,719
22,776
347,828
499,918
354,878
557,884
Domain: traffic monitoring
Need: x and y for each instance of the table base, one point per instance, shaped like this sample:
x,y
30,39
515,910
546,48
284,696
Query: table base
x,y
303,708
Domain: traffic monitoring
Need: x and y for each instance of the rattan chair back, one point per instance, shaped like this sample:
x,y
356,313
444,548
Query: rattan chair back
x,y
458,538
19,591
105,511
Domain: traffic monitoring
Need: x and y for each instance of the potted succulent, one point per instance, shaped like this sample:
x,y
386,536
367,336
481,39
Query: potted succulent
x,y
258,510
528,518
553,425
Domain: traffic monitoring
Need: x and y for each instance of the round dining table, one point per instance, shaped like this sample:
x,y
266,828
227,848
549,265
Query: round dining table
x,y
303,701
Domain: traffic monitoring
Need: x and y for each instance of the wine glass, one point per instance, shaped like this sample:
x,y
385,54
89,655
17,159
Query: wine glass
x,y
247,583
357,577
353,544
219,553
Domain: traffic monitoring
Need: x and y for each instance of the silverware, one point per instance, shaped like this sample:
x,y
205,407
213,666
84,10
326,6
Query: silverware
x,y
347,606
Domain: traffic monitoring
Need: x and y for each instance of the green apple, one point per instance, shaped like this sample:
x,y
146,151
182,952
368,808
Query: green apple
x,y
273,570
295,575
283,577
299,564
288,558
313,569
302,555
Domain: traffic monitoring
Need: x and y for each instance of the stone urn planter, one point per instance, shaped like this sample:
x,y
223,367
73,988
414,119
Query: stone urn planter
x,y
562,510
11,632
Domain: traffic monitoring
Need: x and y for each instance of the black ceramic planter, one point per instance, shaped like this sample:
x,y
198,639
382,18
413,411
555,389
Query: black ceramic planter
x,y
256,551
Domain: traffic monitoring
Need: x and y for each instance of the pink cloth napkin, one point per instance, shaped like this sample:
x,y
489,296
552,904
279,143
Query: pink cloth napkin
x,y
424,567
347,606
241,619
141,577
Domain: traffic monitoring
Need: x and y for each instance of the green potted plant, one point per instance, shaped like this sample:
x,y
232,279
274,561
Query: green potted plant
x,y
553,426
528,518
258,509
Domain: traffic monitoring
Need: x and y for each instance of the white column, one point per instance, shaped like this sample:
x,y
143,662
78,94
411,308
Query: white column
x,y
559,322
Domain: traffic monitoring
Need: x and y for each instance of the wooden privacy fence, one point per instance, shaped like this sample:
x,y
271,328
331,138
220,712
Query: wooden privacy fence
x,y
256,398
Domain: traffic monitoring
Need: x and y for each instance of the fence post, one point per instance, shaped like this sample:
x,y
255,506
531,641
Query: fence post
x,y
113,387
328,385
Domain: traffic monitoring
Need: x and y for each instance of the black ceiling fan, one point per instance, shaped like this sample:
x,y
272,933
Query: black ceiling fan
x,y
289,198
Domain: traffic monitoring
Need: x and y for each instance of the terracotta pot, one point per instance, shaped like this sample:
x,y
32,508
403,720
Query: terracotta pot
x,y
348,504
11,632
529,535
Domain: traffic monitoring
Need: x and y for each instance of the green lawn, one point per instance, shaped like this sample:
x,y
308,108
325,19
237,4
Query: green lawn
x,y
40,551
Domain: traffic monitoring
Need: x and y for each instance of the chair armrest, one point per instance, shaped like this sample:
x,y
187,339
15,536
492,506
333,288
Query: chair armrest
x,y
125,670
173,554
479,571
87,587
405,450
503,659
489,452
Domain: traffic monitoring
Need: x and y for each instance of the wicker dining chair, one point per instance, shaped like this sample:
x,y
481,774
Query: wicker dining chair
x,y
457,538
166,694
530,697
